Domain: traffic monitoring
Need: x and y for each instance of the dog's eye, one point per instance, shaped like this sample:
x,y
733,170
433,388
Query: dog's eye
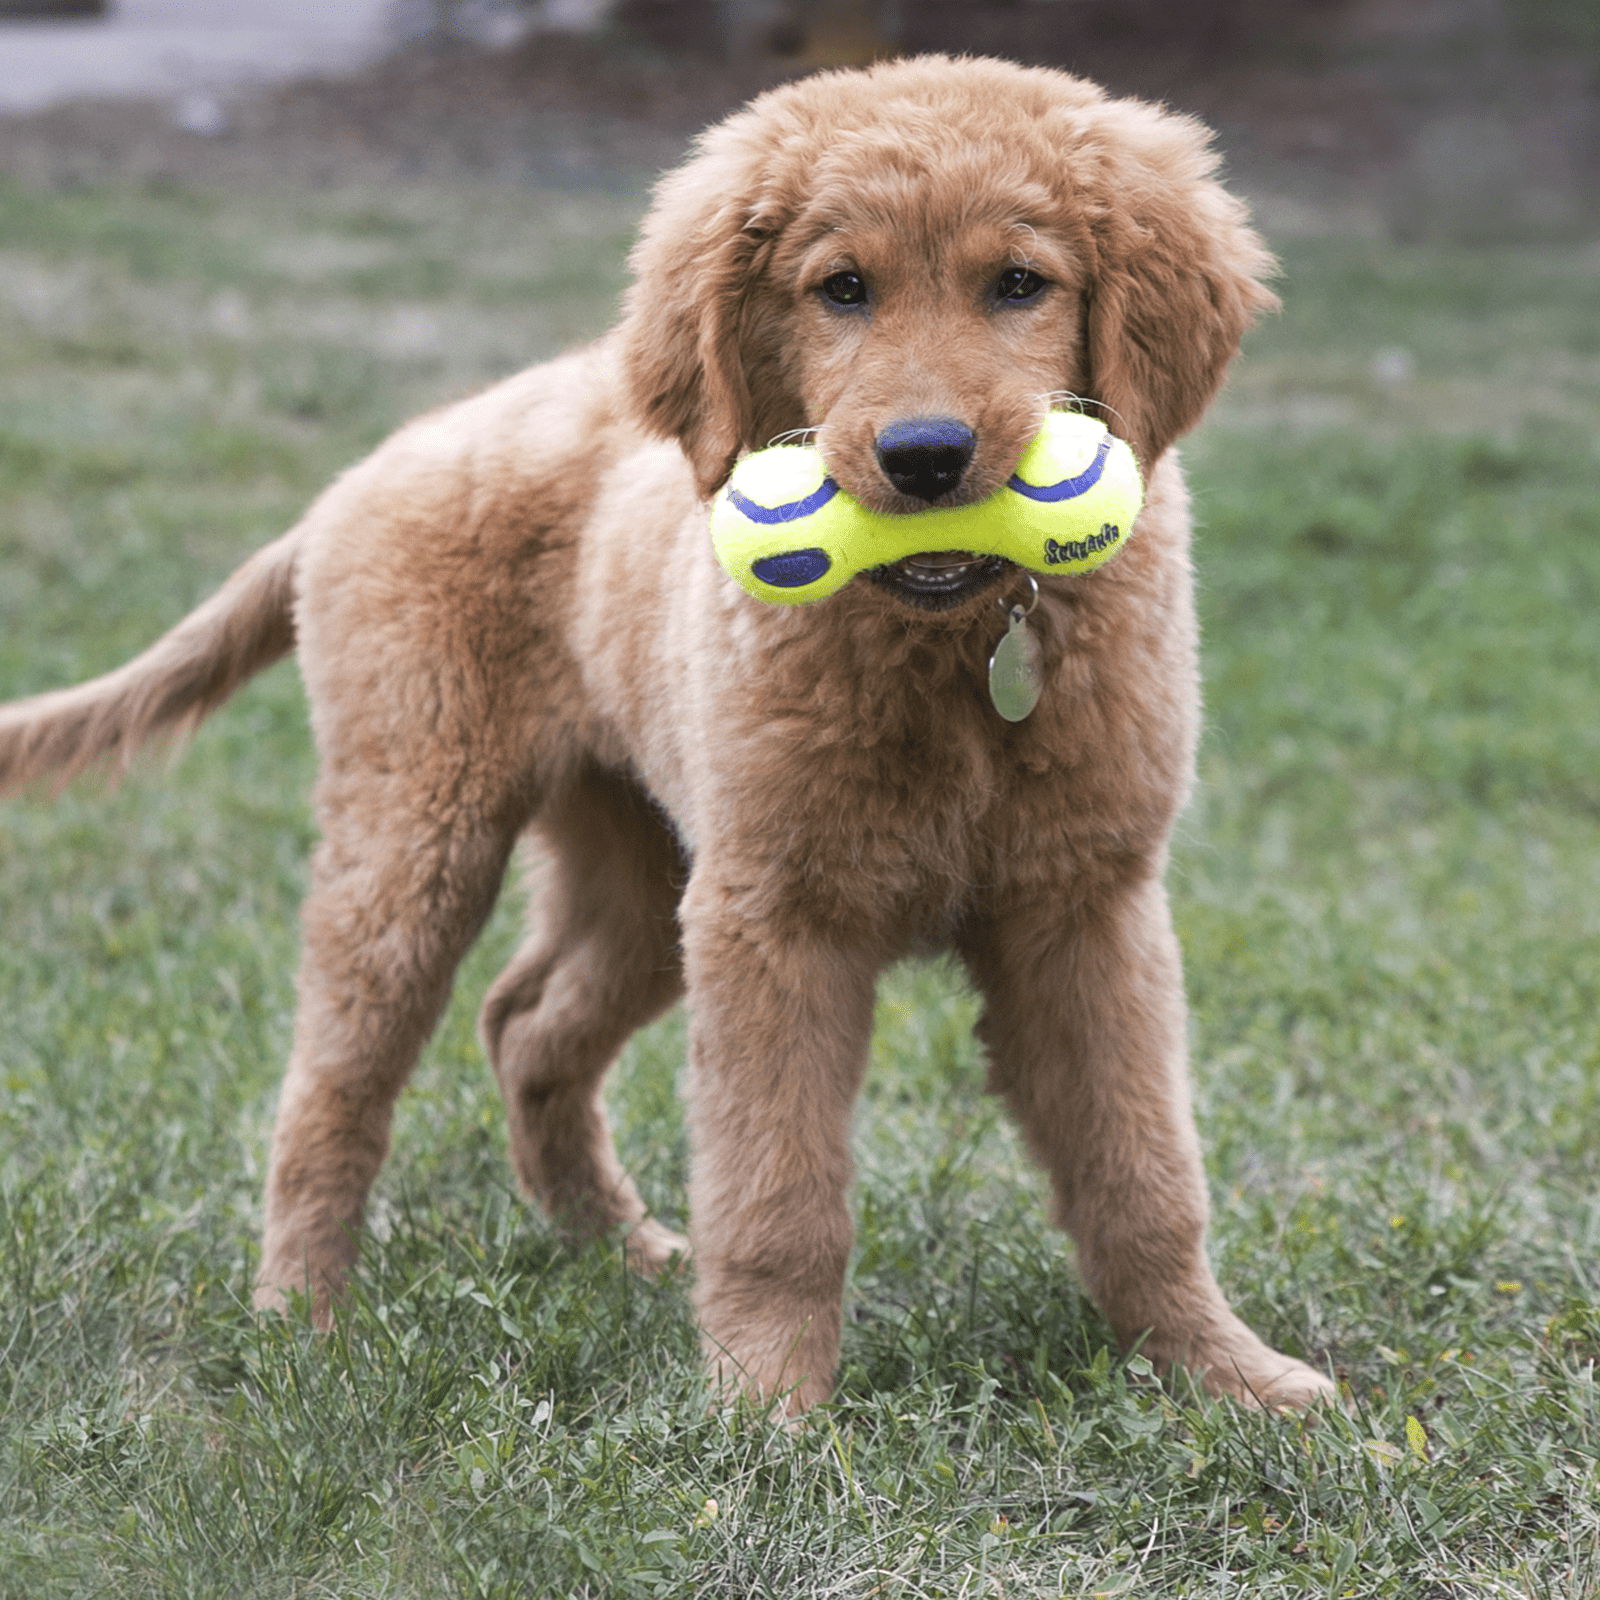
x,y
1018,283
845,288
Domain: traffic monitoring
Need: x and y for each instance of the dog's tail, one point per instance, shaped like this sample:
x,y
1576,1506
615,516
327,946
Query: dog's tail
x,y
245,626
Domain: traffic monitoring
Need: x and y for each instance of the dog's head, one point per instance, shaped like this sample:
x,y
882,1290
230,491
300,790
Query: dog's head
x,y
917,261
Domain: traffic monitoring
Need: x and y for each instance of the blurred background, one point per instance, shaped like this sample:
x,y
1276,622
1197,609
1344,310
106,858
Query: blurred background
x,y
1459,118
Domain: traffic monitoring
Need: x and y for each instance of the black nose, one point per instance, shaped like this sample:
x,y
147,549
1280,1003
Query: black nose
x,y
925,456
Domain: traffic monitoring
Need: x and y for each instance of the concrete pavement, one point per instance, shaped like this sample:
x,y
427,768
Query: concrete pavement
x,y
189,48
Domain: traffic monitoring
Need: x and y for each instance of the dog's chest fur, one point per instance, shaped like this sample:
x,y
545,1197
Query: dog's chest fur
x,y
845,761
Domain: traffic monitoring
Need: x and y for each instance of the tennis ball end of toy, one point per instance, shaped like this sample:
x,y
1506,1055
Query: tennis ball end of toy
x,y
785,531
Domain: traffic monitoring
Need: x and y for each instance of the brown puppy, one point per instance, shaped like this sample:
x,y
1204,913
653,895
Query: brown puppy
x,y
509,620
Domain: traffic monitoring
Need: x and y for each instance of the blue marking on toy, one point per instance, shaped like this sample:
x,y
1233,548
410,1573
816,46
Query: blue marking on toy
x,y
790,510
1068,488
794,569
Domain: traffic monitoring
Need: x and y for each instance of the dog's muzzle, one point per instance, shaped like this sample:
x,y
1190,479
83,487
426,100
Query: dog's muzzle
x,y
939,579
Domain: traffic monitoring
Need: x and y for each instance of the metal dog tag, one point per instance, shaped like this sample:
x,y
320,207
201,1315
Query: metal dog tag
x,y
1016,676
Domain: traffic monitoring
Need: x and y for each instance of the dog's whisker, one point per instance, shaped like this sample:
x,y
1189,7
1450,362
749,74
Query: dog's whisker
x,y
794,436
1067,400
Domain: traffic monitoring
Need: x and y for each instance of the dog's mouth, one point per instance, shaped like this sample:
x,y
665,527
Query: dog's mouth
x,y
938,579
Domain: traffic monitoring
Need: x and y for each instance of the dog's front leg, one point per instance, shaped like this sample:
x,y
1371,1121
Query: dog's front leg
x,y
1084,1025
780,1018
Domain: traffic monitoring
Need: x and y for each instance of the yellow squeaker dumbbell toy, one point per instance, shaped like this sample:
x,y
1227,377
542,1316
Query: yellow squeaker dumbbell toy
x,y
788,533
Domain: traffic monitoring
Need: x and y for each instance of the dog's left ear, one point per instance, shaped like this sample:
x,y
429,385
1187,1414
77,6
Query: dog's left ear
x,y
693,343
1177,281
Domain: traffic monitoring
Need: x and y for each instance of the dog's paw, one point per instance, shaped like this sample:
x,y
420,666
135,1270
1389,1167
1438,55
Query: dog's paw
x,y
1281,1384
292,1301
1233,1364
651,1249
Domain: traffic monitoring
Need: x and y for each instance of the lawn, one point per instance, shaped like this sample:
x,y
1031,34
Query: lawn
x,y
1387,887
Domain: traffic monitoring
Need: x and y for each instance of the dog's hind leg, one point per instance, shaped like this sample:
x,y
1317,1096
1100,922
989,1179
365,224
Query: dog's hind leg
x,y
409,866
601,960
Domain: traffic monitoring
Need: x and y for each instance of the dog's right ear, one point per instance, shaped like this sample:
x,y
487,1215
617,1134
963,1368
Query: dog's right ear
x,y
690,343
1177,277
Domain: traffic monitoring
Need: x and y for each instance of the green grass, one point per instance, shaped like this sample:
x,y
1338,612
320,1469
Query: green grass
x,y
1388,889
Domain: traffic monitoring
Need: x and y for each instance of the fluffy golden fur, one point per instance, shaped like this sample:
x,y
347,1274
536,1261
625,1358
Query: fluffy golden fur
x,y
510,622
